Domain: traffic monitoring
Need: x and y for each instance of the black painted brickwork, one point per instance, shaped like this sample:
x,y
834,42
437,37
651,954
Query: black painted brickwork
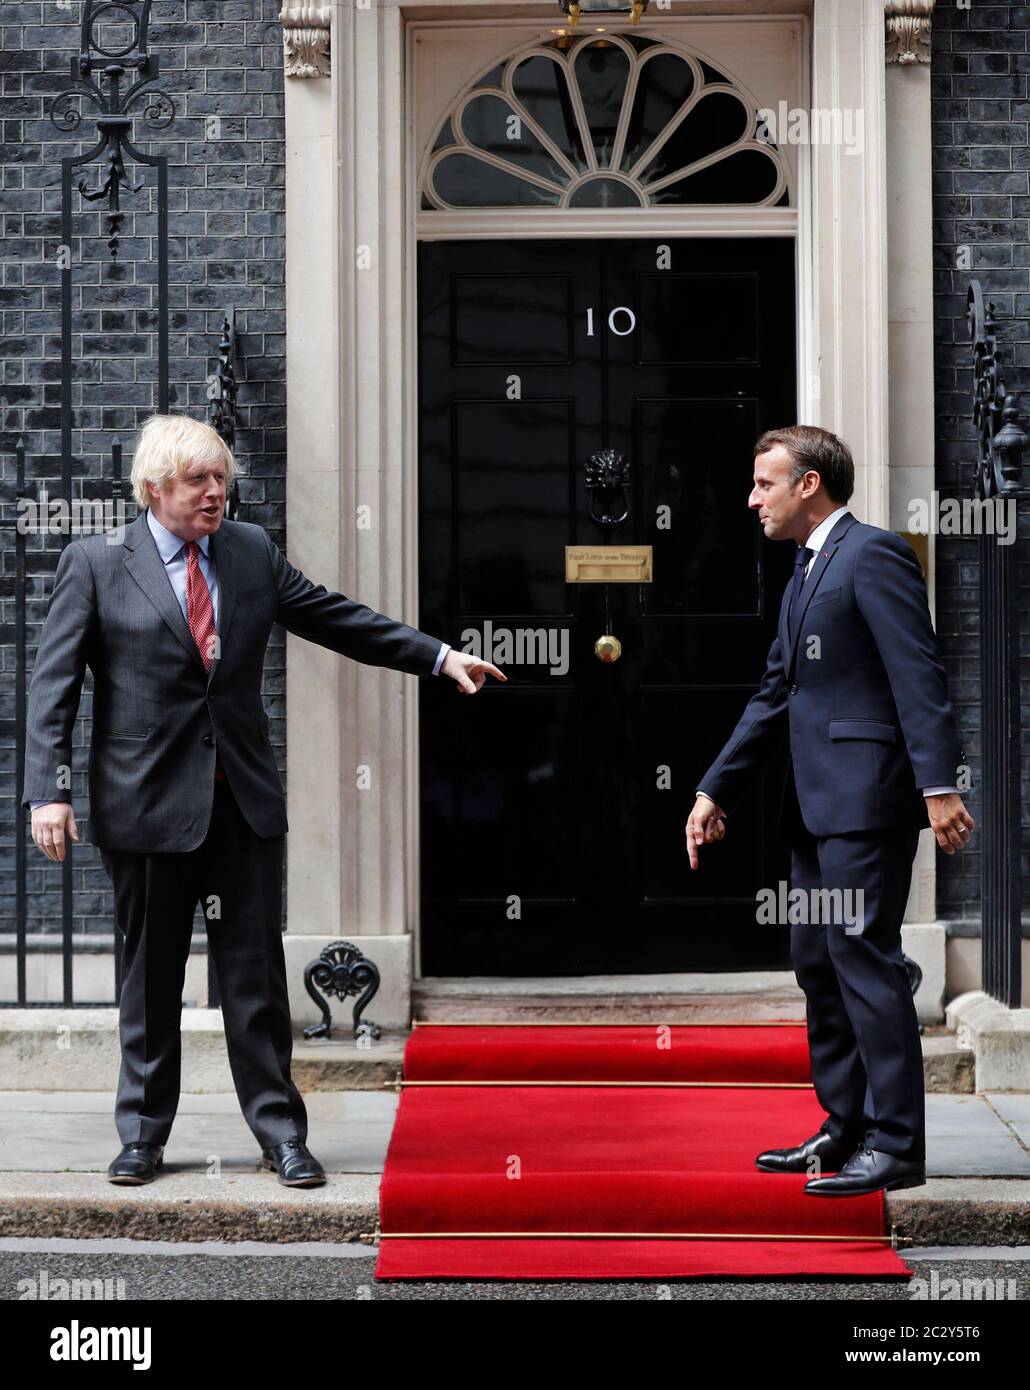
x,y
979,70
222,60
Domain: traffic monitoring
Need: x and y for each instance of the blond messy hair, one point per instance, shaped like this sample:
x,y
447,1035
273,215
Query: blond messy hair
x,y
169,445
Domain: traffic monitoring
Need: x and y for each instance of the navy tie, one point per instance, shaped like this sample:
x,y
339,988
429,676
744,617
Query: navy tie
x,y
803,557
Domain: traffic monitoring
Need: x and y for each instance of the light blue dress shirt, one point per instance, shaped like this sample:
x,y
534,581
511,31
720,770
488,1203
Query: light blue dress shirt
x,y
172,549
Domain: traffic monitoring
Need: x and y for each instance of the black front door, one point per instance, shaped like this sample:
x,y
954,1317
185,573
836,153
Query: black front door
x,y
553,807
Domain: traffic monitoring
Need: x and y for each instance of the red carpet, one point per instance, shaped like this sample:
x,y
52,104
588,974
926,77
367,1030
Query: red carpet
x,y
645,1159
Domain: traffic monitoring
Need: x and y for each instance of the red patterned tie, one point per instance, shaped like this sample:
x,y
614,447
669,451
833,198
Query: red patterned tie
x,y
200,616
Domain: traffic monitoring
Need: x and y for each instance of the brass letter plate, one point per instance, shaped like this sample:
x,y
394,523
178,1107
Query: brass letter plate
x,y
608,564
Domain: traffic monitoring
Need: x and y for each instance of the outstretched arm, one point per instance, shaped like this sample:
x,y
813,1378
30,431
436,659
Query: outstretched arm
x,y
332,620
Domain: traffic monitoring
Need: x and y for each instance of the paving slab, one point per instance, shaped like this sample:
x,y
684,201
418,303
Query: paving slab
x,y
1014,1109
58,1131
55,1146
968,1136
349,1131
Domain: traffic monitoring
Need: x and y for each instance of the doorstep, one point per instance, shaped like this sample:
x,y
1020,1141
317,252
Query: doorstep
x,y
745,996
77,1050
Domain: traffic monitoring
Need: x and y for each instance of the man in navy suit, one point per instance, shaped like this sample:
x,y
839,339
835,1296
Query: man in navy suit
x,y
854,680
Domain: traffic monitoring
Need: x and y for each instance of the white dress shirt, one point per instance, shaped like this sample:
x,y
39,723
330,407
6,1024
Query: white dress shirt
x,y
815,543
820,534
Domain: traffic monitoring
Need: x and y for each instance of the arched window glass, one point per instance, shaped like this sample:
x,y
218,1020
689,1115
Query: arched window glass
x,y
613,122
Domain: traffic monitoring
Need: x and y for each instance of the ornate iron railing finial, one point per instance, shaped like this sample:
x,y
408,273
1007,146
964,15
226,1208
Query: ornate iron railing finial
x,y
995,414
222,387
107,57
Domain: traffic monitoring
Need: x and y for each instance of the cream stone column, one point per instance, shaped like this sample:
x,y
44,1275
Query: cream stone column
x,y
345,725
910,290
378,553
874,311
849,235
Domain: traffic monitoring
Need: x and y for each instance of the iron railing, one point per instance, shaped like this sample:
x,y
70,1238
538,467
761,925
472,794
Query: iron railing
x,y
116,75
997,483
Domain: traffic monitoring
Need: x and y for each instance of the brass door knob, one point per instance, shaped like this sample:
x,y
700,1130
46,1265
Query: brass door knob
x,y
608,648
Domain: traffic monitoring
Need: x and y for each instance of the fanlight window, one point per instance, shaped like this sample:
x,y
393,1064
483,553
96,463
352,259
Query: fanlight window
x,y
613,122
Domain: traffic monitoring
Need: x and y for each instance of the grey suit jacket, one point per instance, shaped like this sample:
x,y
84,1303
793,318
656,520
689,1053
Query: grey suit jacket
x,y
158,715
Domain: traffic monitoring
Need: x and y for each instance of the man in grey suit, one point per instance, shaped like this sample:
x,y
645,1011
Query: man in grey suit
x,y
186,805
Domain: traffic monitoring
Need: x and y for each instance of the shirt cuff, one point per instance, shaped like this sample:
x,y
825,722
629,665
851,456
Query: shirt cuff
x,y
34,804
444,649
938,791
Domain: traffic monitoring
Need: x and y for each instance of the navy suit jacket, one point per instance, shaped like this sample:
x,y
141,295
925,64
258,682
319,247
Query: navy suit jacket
x,y
865,707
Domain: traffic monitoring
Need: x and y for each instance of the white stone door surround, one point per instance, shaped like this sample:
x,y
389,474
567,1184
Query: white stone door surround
x,y
353,851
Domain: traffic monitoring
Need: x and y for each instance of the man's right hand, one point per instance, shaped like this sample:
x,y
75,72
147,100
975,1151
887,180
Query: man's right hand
x,y
705,825
49,824
950,821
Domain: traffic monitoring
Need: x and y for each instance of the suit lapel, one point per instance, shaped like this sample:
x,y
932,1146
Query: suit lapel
x,y
144,563
820,565
784,627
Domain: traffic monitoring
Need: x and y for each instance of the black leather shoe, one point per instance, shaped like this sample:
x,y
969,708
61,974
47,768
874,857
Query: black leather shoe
x,y
295,1166
137,1163
820,1153
869,1170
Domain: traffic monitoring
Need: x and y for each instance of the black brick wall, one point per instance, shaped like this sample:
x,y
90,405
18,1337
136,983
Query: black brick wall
x,y
221,60
979,69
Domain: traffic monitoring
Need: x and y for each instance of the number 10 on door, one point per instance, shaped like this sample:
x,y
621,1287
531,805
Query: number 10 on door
x,y
630,319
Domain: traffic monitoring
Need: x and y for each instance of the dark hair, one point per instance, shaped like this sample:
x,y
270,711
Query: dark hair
x,y
814,450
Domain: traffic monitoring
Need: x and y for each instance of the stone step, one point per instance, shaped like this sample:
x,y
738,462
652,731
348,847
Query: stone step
x,y
746,997
187,1207
77,1049
947,1068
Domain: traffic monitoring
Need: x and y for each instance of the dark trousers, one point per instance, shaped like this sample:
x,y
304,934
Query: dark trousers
x,y
863,1034
237,879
